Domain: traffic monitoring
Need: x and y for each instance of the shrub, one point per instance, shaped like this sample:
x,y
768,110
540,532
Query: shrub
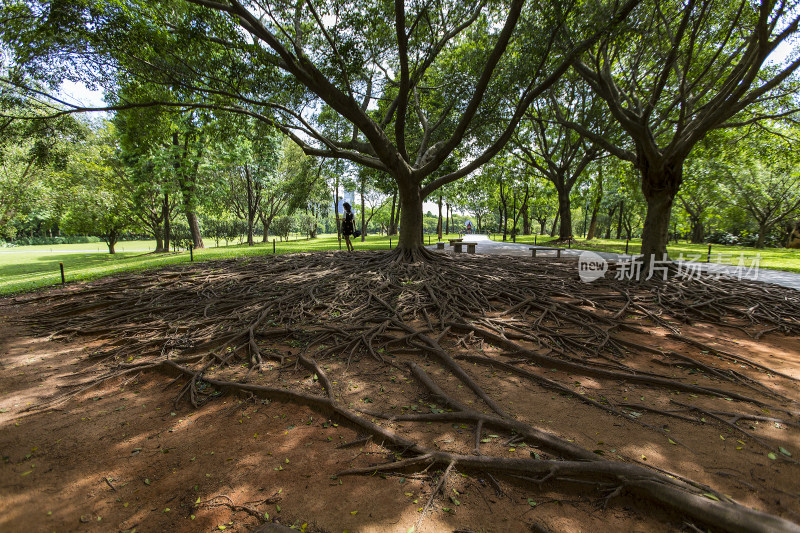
x,y
722,237
76,239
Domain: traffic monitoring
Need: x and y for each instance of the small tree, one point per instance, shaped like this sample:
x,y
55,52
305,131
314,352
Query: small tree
x,y
282,226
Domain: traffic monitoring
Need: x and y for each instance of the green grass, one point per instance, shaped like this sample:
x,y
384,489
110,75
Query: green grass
x,y
33,267
771,258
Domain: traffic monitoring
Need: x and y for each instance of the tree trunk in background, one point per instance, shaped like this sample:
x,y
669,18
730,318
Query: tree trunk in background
x,y
363,213
500,224
165,211
251,211
111,241
555,224
336,209
526,216
159,240
194,228
447,220
392,230
698,231
565,213
595,210
610,222
187,190
762,233
505,220
619,221
439,224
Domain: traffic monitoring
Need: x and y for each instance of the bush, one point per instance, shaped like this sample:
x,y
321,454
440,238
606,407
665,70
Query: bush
x,y
723,237
281,226
181,236
774,238
33,241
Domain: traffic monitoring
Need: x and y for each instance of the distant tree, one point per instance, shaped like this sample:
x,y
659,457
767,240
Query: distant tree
x,y
99,205
678,70
546,144
762,180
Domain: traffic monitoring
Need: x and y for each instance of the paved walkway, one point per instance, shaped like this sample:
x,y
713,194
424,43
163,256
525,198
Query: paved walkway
x,y
778,277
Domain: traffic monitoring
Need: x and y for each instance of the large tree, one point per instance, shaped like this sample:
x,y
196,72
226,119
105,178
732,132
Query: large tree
x,y
99,205
680,70
413,81
560,153
762,176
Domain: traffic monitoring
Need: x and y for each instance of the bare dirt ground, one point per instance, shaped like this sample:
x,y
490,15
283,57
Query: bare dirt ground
x,y
125,455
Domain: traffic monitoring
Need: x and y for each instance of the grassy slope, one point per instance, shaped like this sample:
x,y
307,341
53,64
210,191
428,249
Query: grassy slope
x,y
772,258
33,267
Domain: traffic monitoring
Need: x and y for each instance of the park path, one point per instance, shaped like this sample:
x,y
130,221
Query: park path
x,y
489,247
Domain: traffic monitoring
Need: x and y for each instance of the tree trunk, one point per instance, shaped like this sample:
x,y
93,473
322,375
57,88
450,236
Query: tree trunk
x,y
159,241
363,212
251,208
762,233
447,220
439,225
610,222
659,187
111,241
336,210
165,211
526,220
505,220
555,223
396,229
596,208
410,234
619,220
565,214
395,216
698,231
194,228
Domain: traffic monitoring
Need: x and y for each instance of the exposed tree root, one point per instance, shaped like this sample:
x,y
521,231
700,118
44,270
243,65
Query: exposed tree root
x,y
243,324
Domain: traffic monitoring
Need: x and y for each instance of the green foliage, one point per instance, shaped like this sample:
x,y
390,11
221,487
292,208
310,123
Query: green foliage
x,y
283,225
78,239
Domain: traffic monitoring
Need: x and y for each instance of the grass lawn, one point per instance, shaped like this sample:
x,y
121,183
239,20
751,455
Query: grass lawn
x,y
25,268
772,258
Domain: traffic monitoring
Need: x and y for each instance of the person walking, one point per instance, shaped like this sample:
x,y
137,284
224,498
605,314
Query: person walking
x,y
348,225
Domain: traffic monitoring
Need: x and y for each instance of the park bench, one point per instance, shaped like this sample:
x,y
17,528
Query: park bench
x,y
440,245
542,248
457,247
453,241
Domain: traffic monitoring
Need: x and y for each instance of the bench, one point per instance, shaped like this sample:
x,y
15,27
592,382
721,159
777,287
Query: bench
x,y
542,248
457,247
440,245
453,241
